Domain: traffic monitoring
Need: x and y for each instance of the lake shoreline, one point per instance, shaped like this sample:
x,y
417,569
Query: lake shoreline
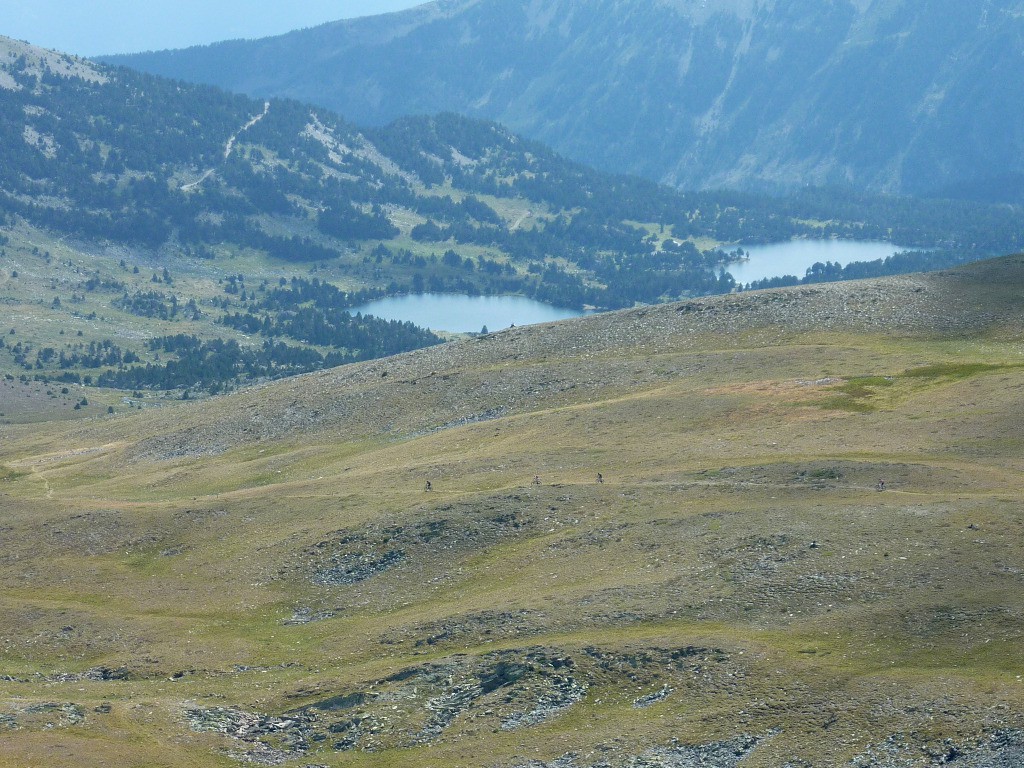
x,y
461,313
794,257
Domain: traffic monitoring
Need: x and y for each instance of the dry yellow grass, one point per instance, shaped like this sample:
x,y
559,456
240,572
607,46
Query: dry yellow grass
x,y
273,555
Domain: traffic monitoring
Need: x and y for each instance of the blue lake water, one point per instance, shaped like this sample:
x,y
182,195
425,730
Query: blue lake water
x,y
469,314
464,314
794,257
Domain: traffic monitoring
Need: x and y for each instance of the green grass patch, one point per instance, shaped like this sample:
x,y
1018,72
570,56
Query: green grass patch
x,y
859,394
953,370
825,474
8,475
844,403
855,395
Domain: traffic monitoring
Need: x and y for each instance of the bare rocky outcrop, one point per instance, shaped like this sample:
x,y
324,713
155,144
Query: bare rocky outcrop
x,y
38,61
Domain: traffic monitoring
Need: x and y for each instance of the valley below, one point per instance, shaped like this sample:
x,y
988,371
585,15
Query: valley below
x,y
774,529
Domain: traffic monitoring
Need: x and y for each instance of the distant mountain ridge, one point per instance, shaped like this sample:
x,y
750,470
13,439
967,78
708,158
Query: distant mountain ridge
x,y
884,95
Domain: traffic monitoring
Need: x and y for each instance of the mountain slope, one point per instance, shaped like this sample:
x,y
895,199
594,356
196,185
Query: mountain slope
x,y
886,95
165,237
262,578
186,169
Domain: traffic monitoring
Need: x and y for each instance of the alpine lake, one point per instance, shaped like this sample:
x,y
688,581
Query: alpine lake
x,y
456,313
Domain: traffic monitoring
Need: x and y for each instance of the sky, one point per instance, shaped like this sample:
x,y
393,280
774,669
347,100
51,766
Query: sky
x,y
94,27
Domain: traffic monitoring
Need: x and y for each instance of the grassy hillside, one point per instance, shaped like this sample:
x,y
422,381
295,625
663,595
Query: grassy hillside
x,y
263,577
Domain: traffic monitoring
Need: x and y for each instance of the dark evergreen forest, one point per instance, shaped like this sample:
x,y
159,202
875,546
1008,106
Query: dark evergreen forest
x,y
448,204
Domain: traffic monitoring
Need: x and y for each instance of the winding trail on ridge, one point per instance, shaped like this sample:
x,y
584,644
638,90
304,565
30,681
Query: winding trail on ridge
x,y
229,147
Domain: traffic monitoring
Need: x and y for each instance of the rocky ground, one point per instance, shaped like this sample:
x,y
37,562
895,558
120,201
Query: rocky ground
x,y
803,550
522,369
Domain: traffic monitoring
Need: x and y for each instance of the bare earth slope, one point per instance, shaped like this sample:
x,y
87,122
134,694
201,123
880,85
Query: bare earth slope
x,y
263,577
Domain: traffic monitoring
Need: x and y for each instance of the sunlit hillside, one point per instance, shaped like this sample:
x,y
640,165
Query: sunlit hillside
x,y
775,529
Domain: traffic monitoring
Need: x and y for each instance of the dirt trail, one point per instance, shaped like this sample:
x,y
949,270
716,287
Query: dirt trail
x,y
229,147
197,182
518,222
231,142
46,483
